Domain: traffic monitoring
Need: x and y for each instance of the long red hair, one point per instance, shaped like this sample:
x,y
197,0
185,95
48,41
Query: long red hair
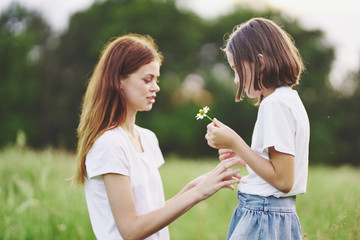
x,y
104,103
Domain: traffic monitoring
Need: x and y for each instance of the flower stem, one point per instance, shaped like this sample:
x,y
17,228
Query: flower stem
x,y
209,117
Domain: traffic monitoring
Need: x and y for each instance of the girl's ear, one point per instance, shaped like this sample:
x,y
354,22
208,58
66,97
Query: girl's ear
x,y
261,61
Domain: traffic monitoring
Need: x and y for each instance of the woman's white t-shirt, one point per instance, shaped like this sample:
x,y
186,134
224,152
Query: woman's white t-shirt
x,y
282,123
113,152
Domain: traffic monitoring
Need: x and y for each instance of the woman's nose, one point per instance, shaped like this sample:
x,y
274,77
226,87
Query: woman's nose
x,y
155,87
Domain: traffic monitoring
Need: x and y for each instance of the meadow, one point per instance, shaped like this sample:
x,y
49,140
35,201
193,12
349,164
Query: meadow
x,y
37,202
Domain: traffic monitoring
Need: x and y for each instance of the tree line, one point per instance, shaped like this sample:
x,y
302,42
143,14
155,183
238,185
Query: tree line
x,y
43,77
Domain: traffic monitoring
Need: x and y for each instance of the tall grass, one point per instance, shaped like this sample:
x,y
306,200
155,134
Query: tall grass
x,y
37,202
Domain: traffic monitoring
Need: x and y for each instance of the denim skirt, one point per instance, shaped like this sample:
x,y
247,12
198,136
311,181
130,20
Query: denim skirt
x,y
265,218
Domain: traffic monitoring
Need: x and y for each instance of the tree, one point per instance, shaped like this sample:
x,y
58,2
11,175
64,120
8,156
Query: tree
x,y
23,34
191,47
46,104
178,35
343,120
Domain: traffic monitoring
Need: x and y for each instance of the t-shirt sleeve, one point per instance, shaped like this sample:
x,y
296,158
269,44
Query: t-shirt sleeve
x,y
278,128
107,155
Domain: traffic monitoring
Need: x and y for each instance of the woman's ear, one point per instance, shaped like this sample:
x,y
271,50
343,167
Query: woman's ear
x,y
121,83
261,62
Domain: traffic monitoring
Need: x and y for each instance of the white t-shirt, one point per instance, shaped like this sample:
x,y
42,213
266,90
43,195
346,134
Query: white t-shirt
x,y
282,123
113,152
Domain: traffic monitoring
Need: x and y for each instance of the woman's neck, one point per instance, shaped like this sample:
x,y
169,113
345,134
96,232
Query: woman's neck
x,y
129,128
129,124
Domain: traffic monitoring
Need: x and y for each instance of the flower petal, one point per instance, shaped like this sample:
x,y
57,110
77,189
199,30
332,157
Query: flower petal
x,y
206,109
199,116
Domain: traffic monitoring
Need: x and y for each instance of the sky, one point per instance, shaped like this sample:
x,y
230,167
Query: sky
x,y
338,19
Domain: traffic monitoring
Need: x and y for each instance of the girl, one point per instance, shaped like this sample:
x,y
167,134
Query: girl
x,y
267,65
118,161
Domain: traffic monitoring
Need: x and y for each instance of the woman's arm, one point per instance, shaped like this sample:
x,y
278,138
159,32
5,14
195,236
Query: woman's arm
x,y
228,153
188,186
279,171
132,226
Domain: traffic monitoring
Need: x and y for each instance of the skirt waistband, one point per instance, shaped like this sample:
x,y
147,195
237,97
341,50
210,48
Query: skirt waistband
x,y
267,204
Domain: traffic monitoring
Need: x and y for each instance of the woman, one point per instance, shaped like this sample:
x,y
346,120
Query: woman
x,y
118,161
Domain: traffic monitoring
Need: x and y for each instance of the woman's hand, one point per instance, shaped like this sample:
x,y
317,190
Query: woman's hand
x,y
220,136
194,182
228,153
197,180
222,176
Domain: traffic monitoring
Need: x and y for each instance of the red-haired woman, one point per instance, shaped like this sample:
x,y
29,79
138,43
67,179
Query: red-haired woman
x,y
118,161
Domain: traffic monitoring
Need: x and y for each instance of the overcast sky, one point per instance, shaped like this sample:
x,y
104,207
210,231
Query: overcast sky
x,y
339,20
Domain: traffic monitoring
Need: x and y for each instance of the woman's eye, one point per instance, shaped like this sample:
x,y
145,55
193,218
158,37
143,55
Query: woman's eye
x,y
147,80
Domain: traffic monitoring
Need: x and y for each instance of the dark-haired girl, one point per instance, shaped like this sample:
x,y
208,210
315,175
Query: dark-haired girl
x,y
267,65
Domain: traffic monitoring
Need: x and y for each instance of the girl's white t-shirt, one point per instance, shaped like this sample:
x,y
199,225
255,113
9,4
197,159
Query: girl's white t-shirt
x,y
113,152
282,123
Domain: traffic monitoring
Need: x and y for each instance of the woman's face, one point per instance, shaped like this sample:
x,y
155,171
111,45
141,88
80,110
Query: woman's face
x,y
248,83
140,87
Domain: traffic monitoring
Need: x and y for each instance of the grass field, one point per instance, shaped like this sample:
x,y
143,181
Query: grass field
x,y
36,201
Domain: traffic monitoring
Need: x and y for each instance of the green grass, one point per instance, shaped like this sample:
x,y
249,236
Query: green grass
x,y
36,201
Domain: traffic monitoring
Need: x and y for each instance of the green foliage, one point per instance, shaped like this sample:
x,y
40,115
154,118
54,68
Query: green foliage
x,y
343,119
37,201
44,77
22,36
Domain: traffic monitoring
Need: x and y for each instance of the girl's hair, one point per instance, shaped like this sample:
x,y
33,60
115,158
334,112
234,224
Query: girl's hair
x,y
104,103
283,63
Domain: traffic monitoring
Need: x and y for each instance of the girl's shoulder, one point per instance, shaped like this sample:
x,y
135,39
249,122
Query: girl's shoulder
x,y
282,96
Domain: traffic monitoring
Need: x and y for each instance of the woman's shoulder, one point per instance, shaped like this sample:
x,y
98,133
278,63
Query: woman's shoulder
x,y
148,136
111,137
109,153
145,132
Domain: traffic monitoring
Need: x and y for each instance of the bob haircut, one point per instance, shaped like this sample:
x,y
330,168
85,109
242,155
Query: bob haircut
x,y
259,36
104,103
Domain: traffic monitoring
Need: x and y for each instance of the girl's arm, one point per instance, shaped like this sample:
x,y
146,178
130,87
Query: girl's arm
x,y
132,226
279,171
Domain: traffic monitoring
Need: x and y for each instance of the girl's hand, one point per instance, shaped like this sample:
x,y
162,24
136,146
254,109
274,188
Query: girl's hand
x,y
228,153
220,136
222,176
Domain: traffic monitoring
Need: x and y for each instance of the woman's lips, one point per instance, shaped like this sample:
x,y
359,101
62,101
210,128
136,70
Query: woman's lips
x,y
151,99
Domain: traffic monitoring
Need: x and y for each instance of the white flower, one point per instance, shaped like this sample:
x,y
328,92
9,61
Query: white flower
x,y
199,116
202,113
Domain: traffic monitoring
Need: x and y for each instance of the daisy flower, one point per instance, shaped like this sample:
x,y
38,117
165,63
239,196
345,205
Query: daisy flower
x,y
202,113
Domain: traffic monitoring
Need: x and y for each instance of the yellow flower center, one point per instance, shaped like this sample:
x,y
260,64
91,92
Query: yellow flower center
x,y
202,112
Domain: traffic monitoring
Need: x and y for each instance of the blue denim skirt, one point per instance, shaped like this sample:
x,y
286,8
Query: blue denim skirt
x,y
264,218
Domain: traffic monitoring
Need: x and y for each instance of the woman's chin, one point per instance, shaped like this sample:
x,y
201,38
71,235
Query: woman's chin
x,y
146,108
